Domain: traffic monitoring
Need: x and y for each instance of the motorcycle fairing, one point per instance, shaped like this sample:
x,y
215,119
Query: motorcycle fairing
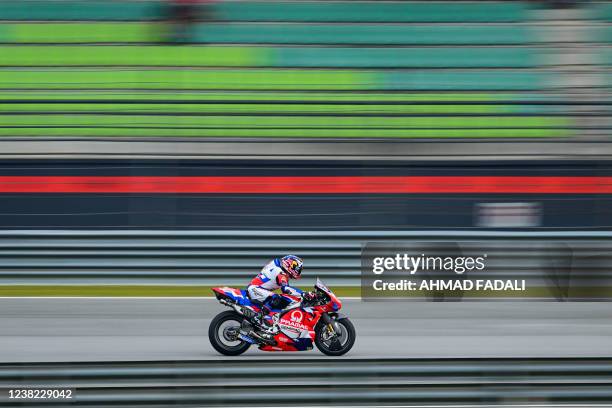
x,y
237,295
296,331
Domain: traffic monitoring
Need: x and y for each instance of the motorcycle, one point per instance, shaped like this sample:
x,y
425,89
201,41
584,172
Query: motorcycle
x,y
295,328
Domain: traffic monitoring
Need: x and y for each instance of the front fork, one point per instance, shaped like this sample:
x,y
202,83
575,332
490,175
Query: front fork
x,y
331,324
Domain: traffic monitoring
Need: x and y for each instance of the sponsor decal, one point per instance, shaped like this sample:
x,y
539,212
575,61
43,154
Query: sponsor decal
x,y
296,316
295,319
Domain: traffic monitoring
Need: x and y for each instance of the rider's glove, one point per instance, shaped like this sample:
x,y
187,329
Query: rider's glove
x,y
309,296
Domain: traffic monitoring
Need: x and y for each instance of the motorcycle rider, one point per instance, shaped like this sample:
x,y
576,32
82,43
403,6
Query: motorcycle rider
x,y
275,275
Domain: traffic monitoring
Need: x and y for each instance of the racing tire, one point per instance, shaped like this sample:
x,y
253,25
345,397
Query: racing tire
x,y
347,328
214,334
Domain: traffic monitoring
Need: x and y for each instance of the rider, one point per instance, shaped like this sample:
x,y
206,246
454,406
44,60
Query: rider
x,y
275,275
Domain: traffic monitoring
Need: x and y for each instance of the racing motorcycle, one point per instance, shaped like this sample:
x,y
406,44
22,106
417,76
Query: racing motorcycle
x,y
295,328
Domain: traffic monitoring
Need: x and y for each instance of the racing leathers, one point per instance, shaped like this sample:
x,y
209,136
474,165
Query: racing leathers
x,y
261,289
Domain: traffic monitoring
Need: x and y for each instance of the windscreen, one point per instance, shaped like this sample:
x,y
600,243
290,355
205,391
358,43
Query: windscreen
x,y
321,285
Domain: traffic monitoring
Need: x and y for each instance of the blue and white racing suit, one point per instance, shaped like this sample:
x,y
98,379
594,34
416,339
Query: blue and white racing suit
x,y
270,278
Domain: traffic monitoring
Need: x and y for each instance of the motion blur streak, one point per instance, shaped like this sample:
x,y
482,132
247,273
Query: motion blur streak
x,y
313,185
129,352
157,147
175,329
263,194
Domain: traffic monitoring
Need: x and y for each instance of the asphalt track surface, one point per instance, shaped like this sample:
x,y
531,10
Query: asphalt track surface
x,y
176,329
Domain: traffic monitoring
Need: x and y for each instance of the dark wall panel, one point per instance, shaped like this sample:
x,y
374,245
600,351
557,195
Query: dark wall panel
x,y
292,211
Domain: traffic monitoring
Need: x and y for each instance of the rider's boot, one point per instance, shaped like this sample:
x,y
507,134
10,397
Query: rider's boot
x,y
265,323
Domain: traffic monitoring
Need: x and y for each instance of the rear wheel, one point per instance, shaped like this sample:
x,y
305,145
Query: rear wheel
x,y
335,344
223,334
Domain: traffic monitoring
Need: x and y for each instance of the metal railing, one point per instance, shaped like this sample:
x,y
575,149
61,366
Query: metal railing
x,y
578,259
322,381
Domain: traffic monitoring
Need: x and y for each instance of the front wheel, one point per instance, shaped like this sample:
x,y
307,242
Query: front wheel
x,y
223,334
332,343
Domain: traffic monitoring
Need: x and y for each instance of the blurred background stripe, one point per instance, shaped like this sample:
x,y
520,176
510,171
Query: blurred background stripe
x,y
477,50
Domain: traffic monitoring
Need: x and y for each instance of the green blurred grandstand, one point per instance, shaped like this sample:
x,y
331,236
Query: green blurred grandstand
x,y
285,69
